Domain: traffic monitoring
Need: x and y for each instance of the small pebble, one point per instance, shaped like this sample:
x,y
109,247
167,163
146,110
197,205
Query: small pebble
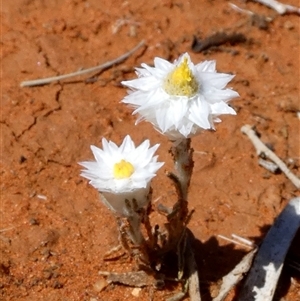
x,y
41,197
33,222
136,291
288,25
100,285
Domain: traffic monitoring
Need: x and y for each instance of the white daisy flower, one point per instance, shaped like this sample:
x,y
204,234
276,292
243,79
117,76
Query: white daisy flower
x,y
122,173
180,99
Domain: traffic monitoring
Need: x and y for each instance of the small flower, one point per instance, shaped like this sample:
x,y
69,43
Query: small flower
x,y
122,173
180,99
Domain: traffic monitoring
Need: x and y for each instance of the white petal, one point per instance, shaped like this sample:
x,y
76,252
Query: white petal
x,y
127,145
164,118
98,153
147,69
221,108
138,156
143,72
206,66
216,95
163,65
216,80
178,110
199,114
143,83
109,147
153,99
97,169
149,159
186,129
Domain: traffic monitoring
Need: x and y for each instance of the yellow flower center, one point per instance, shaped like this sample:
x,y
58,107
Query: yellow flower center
x,y
123,170
181,81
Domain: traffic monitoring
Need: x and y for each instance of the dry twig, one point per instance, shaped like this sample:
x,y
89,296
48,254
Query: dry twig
x,y
193,280
257,20
262,149
44,81
6,229
237,240
236,275
280,7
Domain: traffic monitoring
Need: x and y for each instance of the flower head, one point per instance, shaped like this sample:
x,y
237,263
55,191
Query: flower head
x,y
122,173
180,99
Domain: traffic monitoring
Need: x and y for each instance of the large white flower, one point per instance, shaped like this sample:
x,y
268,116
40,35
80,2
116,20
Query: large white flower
x,y
122,173
180,99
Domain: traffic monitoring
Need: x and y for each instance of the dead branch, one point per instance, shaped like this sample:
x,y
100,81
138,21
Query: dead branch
x,y
263,149
280,7
44,81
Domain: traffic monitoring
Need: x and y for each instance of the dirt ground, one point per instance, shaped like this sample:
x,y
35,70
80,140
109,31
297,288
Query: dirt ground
x,y
54,230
